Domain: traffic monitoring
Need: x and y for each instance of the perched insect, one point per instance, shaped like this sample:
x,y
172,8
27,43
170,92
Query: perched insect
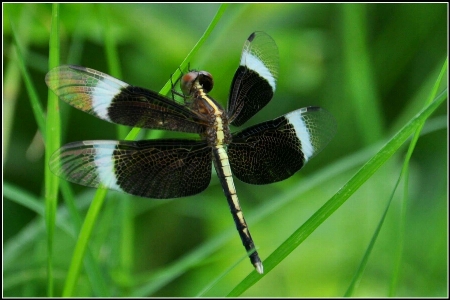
x,y
171,168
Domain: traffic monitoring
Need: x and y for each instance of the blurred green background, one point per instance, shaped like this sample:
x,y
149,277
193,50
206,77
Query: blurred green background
x,y
371,65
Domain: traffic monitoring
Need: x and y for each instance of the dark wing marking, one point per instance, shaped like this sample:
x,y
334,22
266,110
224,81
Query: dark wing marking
x,y
158,169
117,102
274,150
254,82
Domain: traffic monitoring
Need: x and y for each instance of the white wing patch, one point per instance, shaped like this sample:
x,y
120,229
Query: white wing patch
x,y
254,63
103,93
105,164
301,130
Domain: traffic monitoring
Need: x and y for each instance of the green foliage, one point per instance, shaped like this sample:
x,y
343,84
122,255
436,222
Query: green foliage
x,y
373,66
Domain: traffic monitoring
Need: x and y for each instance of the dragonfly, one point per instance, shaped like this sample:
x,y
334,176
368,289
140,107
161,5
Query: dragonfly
x,y
265,153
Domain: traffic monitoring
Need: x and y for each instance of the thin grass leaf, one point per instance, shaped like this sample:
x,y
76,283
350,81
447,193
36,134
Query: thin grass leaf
x,y
405,171
23,198
360,81
112,57
234,14
216,280
83,238
52,144
32,233
21,35
31,90
91,265
358,274
415,103
340,197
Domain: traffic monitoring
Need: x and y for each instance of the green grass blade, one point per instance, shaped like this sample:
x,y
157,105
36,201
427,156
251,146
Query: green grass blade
x,y
112,57
30,235
405,171
360,82
31,90
358,274
80,248
23,198
91,264
217,278
27,200
340,197
52,144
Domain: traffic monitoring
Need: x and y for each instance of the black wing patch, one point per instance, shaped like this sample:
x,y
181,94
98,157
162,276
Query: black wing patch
x,y
274,150
254,82
115,101
159,169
